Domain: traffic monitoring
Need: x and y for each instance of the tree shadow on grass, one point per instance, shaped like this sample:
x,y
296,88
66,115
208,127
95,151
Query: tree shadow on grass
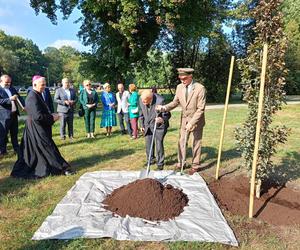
x,y
288,170
98,137
208,154
9,184
79,243
88,161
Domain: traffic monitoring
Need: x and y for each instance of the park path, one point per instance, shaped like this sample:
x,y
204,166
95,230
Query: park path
x,y
237,105
208,107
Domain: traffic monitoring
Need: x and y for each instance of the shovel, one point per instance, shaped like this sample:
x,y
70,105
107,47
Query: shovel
x,y
184,152
145,172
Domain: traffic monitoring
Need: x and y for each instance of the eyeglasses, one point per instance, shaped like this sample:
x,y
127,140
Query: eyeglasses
x,y
88,85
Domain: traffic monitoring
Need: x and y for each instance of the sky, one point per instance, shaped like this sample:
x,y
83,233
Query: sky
x,y
18,18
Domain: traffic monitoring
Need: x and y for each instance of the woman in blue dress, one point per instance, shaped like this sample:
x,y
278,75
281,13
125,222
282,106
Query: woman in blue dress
x,y
108,119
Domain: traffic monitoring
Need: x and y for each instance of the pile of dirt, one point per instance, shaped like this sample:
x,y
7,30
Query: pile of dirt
x,y
278,205
147,199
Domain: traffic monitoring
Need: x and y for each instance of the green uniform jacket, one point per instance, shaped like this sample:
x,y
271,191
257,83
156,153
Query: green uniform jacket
x,y
133,104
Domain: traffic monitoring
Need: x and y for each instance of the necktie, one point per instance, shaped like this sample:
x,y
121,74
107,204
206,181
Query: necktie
x,y
186,93
43,95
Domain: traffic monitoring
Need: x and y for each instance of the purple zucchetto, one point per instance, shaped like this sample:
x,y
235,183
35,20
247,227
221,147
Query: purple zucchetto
x,y
36,77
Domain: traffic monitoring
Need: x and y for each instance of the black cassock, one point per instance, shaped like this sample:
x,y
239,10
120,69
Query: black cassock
x,y
39,156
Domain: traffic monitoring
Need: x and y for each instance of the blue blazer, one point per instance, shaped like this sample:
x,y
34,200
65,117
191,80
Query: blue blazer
x,y
48,98
108,98
5,103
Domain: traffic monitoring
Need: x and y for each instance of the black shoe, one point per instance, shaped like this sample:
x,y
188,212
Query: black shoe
x,y
63,138
123,132
151,163
69,172
160,167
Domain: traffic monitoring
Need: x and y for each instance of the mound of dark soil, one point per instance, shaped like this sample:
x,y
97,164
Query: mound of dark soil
x,y
147,199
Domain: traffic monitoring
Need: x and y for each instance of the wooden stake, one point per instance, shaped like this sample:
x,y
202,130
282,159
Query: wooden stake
x,y
258,126
224,116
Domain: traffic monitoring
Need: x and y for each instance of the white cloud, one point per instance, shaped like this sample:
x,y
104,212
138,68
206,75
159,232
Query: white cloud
x,y
73,43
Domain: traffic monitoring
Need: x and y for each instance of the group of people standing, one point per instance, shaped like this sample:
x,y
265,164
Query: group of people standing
x,y
38,155
124,104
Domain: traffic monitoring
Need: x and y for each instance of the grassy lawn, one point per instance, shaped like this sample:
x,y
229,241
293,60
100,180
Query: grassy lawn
x,y
25,204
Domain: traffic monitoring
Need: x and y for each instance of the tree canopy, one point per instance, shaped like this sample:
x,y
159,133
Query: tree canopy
x,y
22,59
146,40
29,59
121,32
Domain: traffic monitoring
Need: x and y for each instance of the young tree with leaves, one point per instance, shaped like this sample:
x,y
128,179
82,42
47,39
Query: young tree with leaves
x,y
268,29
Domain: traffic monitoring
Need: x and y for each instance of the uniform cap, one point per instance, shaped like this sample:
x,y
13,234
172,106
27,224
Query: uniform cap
x,y
185,71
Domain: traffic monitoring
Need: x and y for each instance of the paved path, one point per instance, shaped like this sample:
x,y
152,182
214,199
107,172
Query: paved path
x,y
238,105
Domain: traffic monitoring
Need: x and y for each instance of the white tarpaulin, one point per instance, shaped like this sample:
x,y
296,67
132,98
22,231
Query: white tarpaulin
x,y
81,214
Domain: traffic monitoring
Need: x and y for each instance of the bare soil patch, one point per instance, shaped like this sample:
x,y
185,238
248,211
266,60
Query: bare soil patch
x,y
278,205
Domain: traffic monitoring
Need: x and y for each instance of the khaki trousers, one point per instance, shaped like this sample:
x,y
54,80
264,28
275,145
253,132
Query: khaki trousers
x,y
196,144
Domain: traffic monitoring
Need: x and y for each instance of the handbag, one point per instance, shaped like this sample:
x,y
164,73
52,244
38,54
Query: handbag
x,y
81,111
135,110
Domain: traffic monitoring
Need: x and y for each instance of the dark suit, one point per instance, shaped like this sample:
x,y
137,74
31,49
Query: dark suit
x,y
8,119
46,97
147,118
66,112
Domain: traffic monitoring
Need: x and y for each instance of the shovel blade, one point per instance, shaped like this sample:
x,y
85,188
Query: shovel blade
x,y
143,174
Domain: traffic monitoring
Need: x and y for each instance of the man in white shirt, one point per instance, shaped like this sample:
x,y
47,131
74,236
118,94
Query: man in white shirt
x,y
122,97
66,99
8,114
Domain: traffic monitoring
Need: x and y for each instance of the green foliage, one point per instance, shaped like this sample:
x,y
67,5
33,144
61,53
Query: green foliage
x,y
192,45
214,67
122,32
242,24
22,59
155,71
291,9
268,30
64,62
55,65
30,58
9,62
72,60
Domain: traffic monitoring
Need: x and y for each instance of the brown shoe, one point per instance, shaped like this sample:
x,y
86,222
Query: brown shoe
x,y
193,170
